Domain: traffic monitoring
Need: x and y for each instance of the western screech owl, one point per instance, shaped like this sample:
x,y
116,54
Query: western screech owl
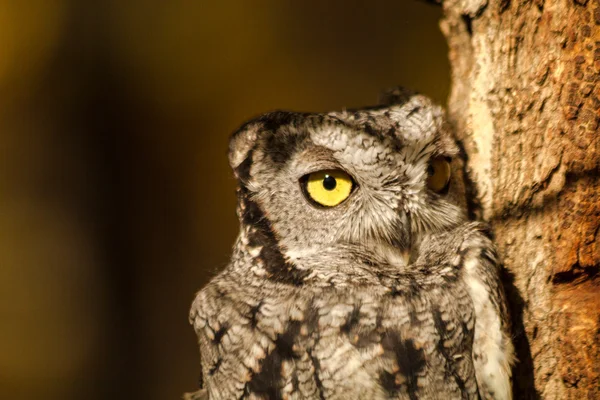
x,y
356,273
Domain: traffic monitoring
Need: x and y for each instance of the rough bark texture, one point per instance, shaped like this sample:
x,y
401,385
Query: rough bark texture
x,y
526,103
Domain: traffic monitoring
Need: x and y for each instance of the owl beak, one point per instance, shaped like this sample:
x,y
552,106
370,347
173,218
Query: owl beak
x,y
406,257
404,242
393,255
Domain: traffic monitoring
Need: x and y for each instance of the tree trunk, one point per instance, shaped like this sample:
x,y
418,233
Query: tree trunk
x,y
525,102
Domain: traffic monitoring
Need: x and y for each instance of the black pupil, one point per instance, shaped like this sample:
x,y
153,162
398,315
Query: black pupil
x,y
329,182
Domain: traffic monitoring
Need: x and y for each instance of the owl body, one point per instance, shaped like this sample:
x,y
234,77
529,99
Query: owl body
x,y
356,273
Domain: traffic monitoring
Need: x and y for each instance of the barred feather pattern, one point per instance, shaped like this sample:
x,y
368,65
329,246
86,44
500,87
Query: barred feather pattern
x,y
392,295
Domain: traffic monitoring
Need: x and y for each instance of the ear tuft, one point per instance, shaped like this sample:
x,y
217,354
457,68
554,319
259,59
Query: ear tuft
x,y
242,142
397,95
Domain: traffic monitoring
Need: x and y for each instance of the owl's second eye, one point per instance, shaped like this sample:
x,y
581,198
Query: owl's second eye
x,y
439,174
328,188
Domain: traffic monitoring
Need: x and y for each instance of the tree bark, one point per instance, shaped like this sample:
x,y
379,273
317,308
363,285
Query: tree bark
x,y
525,102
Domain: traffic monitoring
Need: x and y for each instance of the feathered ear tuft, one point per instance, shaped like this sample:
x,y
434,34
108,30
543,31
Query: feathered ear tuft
x,y
397,95
245,140
242,142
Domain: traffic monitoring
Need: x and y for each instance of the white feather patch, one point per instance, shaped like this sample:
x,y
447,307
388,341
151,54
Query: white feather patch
x,y
493,368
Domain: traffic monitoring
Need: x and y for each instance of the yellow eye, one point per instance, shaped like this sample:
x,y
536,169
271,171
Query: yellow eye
x,y
328,188
439,174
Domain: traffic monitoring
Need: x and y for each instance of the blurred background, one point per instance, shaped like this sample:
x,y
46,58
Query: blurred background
x,y
116,200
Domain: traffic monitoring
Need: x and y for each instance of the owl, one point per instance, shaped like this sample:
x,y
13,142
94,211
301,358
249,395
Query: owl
x,y
356,273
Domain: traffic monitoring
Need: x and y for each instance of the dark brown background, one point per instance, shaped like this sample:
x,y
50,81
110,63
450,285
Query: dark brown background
x,y
116,200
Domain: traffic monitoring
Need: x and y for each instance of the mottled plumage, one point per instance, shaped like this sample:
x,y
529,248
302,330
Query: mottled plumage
x,y
392,294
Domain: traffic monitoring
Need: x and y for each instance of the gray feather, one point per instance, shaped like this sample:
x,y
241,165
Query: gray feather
x,y
391,294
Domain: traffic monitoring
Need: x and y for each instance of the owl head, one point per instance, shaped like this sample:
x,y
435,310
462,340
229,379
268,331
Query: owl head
x,y
382,178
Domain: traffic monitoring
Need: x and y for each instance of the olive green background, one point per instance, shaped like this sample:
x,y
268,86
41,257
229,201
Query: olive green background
x,y
116,200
